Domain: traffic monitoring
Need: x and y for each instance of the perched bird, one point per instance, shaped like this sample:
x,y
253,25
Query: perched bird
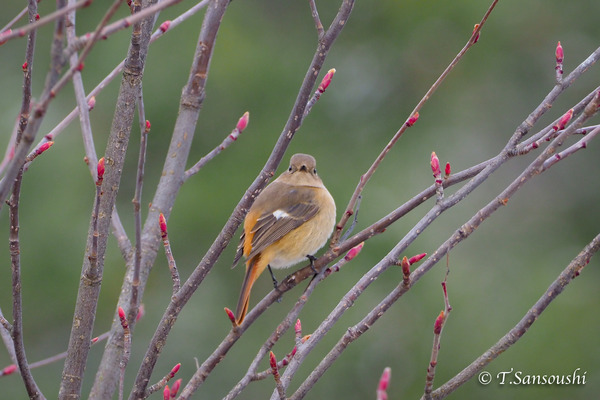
x,y
290,220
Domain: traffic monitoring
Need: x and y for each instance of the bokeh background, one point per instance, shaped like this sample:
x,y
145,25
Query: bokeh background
x,y
386,58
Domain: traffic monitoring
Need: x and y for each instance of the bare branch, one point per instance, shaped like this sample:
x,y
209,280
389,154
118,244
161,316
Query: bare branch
x,y
409,122
89,288
315,15
55,16
569,273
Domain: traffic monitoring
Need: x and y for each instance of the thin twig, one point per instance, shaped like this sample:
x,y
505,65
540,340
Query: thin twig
x,y
410,120
17,331
126,350
56,15
161,384
136,201
292,125
93,263
170,259
14,20
457,237
230,139
315,15
438,327
287,322
566,276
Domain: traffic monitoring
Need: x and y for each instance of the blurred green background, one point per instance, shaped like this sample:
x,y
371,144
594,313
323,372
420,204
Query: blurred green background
x,y
386,58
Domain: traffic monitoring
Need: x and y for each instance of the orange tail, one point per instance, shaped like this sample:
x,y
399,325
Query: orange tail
x,y
253,270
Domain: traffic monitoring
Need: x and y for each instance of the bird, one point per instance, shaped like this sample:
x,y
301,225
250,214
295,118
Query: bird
x,y
290,220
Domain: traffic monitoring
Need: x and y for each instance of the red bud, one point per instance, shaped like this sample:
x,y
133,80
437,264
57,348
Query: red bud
x,y
435,164
230,315
91,103
326,80
100,171
43,147
273,361
439,323
175,369
405,267
353,252
37,17
243,122
166,393
121,313
447,170
163,224
165,26
384,382
476,37
11,369
413,118
94,340
80,67
175,388
298,327
24,66
563,121
560,55
416,258
148,126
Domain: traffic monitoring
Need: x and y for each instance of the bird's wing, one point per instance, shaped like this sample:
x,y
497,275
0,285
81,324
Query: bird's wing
x,y
240,250
292,210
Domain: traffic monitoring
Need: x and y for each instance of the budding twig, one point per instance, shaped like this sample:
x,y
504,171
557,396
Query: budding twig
x,y
560,55
414,114
566,277
137,197
126,349
320,90
232,137
315,15
170,259
275,372
160,384
437,175
437,335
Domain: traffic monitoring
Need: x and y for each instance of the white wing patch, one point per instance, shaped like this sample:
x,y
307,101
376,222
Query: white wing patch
x,y
278,214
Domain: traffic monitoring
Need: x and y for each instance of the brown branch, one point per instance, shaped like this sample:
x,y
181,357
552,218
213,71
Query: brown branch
x,y
161,384
438,327
460,235
137,215
566,276
93,264
51,89
14,20
410,120
55,16
287,322
229,140
17,329
315,15
293,123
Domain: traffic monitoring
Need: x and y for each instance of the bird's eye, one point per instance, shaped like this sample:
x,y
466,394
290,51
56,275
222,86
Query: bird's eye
x,y
315,171
290,168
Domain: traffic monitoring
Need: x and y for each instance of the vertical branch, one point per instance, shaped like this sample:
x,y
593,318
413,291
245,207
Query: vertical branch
x,y
89,287
168,187
17,332
139,182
